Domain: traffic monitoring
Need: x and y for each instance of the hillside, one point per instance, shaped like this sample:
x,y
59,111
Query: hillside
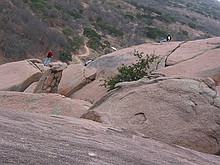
x,y
29,27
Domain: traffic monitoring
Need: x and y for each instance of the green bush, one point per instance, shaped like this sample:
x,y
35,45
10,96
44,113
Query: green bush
x,y
166,18
140,16
107,51
107,43
76,14
146,9
67,31
184,32
192,25
37,5
65,55
154,32
132,72
110,29
75,43
94,43
129,16
91,33
152,10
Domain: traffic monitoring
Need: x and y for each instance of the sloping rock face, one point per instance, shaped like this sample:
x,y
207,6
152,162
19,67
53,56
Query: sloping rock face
x,y
50,79
31,88
176,110
205,65
92,92
27,138
199,58
74,78
49,104
107,65
218,90
192,49
17,76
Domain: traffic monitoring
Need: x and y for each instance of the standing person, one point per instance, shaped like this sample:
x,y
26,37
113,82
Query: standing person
x,y
48,58
168,38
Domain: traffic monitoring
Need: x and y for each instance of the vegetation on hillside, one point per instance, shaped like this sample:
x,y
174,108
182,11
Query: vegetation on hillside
x,y
30,27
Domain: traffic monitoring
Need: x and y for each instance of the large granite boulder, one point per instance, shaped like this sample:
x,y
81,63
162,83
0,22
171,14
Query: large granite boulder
x,y
189,58
107,65
198,58
28,138
175,110
192,49
74,78
205,65
17,76
45,103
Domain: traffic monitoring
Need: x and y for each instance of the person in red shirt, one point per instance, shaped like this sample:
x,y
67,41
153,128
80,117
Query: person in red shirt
x,y
48,57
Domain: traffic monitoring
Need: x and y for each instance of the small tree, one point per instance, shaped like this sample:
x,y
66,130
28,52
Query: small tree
x,y
132,72
65,55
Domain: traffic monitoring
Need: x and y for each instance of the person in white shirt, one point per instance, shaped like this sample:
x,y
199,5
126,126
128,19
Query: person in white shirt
x,y
168,38
88,62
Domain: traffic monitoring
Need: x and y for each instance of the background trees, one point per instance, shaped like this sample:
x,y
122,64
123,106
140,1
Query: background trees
x,y
30,27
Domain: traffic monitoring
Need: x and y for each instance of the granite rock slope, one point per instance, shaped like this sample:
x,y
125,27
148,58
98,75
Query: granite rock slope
x,y
17,76
175,110
44,103
28,138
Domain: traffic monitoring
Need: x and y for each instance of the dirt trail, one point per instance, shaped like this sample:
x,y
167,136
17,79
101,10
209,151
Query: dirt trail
x,y
76,56
86,53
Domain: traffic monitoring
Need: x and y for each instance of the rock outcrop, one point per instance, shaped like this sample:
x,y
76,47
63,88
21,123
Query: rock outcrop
x,y
107,65
44,103
198,58
17,76
192,49
176,110
74,78
27,138
50,80
92,92
204,65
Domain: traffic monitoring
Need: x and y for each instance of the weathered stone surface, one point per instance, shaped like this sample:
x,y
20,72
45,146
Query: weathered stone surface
x,y
50,104
50,79
107,65
191,49
176,110
36,63
92,92
193,58
27,138
31,88
17,76
74,78
205,65
218,90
